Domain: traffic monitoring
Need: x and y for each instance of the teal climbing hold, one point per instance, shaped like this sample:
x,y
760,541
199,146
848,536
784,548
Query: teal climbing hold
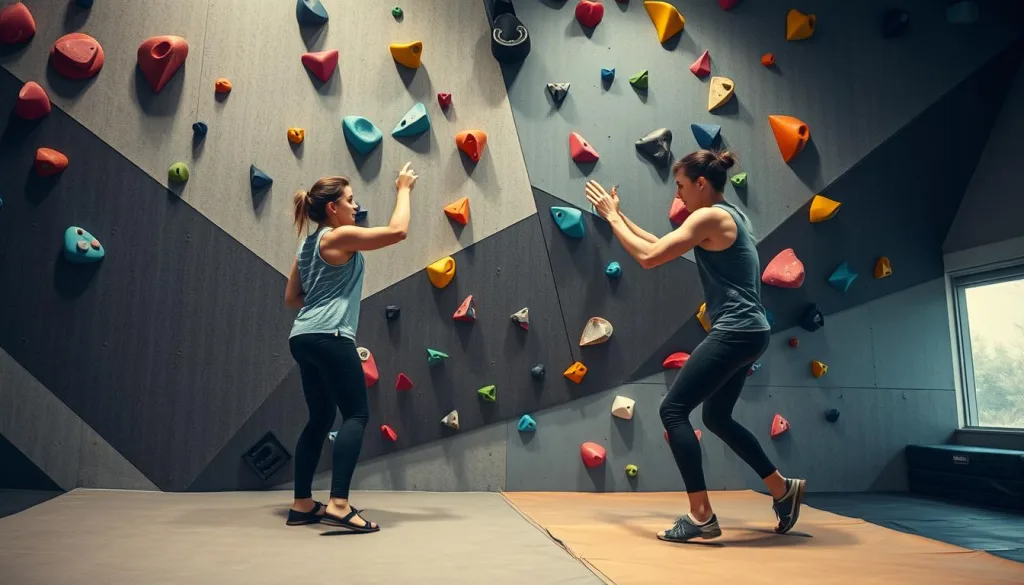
x,y
435,357
842,277
614,270
81,247
607,75
258,178
706,134
416,121
526,424
310,12
569,220
200,129
361,133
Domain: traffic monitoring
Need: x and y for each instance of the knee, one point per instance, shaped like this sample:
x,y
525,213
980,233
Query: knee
x,y
714,421
321,422
360,415
672,413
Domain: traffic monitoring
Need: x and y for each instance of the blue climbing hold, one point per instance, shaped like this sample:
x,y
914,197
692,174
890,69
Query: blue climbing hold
x,y
258,178
200,128
569,220
706,134
416,121
81,247
361,212
310,12
842,277
613,270
361,133
607,75
526,424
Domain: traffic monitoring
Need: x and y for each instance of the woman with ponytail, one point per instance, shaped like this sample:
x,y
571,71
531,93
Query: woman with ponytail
x,y
326,285
723,243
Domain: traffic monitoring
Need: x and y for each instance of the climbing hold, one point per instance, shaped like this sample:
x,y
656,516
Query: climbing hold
x,y
832,414
361,212
32,102
779,425
472,143
222,85
451,420
702,66
640,80
678,212
310,12
403,382
769,317
258,179
676,360
1,202
466,311
823,208
657,145
537,371
521,318
444,99
753,368
784,271
296,135
607,75
361,133
883,267
85,3
895,22
632,470
622,407
370,373
790,134
768,59
728,4
720,91
799,26
569,220
702,317
407,54
697,433
200,129
812,319
739,180
705,134
580,150
666,18
613,270
178,172
589,13
488,393
435,357
388,433
793,342
458,210
510,39
321,64
526,424
16,24
391,312
575,372
160,57
818,369
842,277
416,121
81,247
558,91
49,162
76,56
597,330
397,13
962,13
441,272
593,454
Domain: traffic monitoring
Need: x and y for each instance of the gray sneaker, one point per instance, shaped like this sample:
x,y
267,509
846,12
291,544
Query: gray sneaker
x,y
685,529
787,509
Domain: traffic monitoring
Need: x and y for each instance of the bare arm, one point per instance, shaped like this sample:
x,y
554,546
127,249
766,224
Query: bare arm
x,y
679,241
294,298
351,238
633,227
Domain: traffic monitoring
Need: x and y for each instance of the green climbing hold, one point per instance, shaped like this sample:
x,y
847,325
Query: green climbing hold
x,y
488,393
435,357
526,424
614,270
396,12
739,180
569,220
178,172
416,121
639,80
361,133
632,470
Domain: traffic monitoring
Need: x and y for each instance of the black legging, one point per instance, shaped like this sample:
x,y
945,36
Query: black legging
x,y
714,375
332,379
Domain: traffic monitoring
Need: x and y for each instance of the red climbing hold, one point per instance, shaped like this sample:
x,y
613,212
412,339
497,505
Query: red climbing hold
x,y
16,24
370,373
49,162
76,56
466,311
444,99
403,382
321,64
678,213
676,360
388,433
702,66
697,432
33,103
581,150
779,425
784,271
794,342
593,454
160,58
589,13
728,4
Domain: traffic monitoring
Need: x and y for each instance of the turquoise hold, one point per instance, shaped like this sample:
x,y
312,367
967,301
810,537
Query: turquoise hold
x,y
607,75
258,178
81,247
416,121
613,270
310,12
361,133
526,424
706,134
842,277
569,220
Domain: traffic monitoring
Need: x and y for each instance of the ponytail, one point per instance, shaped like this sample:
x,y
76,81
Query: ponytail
x,y
312,205
301,203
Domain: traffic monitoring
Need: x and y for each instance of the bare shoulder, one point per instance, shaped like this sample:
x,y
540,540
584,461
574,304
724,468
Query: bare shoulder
x,y
711,217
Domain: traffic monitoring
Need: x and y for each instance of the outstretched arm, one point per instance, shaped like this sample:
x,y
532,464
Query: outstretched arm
x,y
679,241
633,227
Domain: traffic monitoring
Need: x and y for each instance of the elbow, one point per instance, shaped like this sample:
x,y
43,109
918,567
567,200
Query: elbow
x,y
401,234
293,303
645,260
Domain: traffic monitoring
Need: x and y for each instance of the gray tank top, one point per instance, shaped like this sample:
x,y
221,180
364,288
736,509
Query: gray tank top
x,y
732,280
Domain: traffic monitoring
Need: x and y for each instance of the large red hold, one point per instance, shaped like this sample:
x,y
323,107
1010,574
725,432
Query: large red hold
x,y
676,360
33,103
160,58
49,162
593,454
16,24
784,271
76,56
321,64
678,213
589,13
581,150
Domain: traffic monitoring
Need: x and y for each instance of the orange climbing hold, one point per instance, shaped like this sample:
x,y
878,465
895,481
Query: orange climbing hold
x,y
403,382
388,433
458,210
666,18
296,135
466,311
472,143
702,317
791,134
32,103
676,360
76,56
49,162
799,26
779,425
768,59
575,372
222,85
593,455
159,58
883,267
784,271
823,208
818,369
370,373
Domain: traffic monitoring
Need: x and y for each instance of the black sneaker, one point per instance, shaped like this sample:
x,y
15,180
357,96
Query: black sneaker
x,y
787,509
686,529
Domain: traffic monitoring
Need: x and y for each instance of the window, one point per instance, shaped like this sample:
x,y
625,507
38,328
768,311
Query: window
x,y
990,327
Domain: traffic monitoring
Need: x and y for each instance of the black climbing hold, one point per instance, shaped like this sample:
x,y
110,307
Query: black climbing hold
x,y
812,319
537,371
391,312
894,23
832,414
657,145
510,40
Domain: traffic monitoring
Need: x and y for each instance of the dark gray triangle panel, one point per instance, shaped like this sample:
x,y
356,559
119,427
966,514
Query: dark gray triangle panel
x,y
19,472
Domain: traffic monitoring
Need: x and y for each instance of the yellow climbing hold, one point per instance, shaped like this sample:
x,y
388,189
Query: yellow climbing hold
x,y
441,272
575,372
702,316
408,54
799,26
667,20
818,369
823,208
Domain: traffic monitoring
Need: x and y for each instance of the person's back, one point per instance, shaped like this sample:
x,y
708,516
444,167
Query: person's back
x,y
332,292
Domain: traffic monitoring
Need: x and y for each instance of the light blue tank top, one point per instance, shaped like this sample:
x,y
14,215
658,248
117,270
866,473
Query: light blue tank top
x,y
332,292
732,280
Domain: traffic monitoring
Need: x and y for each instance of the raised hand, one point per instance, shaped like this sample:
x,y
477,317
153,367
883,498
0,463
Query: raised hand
x,y
406,177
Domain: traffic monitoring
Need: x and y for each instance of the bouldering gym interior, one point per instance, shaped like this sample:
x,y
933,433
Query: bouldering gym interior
x,y
516,354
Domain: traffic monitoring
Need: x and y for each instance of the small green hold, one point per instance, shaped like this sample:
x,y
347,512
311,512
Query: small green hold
x,y
639,80
739,179
487,393
434,356
396,12
632,470
178,172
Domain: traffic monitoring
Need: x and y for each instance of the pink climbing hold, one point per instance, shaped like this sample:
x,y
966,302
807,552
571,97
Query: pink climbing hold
x,y
321,64
581,150
784,271
702,66
678,213
388,433
593,454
